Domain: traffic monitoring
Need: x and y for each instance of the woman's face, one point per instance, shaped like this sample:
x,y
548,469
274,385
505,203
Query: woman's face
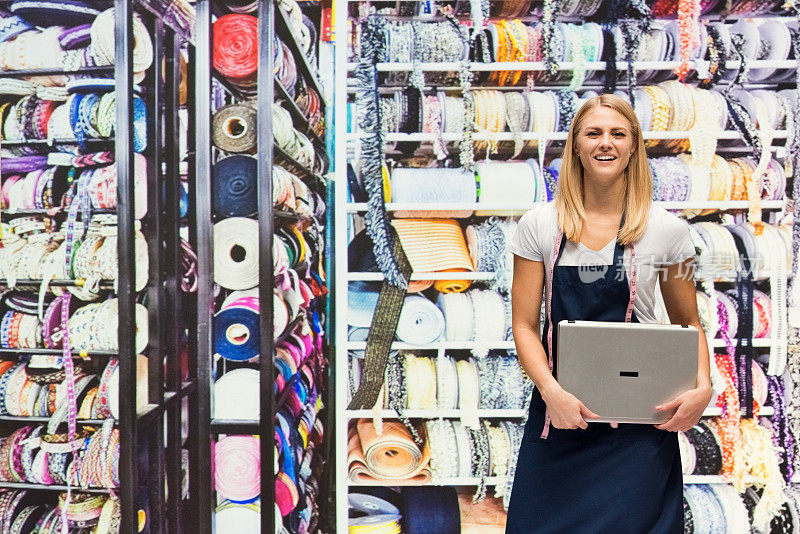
x,y
604,144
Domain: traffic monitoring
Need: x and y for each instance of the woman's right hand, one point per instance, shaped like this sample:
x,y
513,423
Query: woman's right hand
x,y
566,411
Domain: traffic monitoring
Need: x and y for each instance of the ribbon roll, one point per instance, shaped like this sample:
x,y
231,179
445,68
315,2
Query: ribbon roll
x,y
421,322
236,253
236,330
237,467
236,48
505,183
435,245
237,518
431,186
233,128
458,315
236,395
234,187
393,455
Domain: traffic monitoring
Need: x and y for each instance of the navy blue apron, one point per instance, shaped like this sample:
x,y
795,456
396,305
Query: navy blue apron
x,y
624,480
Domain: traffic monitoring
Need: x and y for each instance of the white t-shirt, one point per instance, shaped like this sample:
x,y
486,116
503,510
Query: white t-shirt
x,y
666,241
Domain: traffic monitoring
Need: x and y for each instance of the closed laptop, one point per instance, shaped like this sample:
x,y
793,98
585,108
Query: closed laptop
x,y
622,371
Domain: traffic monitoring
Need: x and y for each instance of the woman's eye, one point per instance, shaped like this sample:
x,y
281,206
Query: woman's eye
x,y
619,135
591,134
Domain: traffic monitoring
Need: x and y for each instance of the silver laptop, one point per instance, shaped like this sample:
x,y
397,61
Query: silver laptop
x,y
622,371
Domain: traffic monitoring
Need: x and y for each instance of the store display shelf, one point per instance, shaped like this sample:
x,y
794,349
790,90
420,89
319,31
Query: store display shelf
x,y
565,66
75,353
436,414
455,481
104,284
394,137
457,275
58,141
511,209
713,479
587,85
562,18
51,212
714,411
55,71
446,345
51,487
32,419
297,115
235,426
757,342
284,30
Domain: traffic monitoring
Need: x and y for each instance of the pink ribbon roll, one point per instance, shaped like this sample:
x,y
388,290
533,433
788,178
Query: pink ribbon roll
x,y
237,467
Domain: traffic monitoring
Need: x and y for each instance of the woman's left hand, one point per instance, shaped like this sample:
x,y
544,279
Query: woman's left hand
x,y
688,409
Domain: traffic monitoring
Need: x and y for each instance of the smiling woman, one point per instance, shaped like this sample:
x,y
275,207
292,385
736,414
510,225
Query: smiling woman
x,y
598,249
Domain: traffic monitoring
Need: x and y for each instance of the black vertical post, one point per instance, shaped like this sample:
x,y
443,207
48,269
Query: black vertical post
x,y
123,78
205,251
266,95
176,323
195,508
154,95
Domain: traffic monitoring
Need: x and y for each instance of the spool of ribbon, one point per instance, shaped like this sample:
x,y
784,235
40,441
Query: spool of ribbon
x,y
421,322
236,253
235,187
435,245
236,395
431,186
235,43
237,467
236,328
393,455
458,316
505,183
233,128
232,518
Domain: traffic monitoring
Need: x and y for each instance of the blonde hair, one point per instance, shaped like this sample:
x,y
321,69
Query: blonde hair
x,y
638,180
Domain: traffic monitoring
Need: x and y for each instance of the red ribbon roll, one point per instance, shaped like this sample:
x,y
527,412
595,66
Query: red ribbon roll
x,y
236,48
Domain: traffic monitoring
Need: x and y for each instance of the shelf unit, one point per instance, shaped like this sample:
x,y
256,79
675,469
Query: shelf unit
x,y
271,22
142,431
348,210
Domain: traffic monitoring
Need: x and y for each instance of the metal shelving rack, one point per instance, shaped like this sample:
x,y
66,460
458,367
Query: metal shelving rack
x,y
271,21
346,209
141,433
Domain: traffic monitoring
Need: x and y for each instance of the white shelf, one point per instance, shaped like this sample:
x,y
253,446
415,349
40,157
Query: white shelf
x,y
713,479
494,481
757,342
458,275
457,481
361,207
716,412
490,414
564,66
446,345
436,414
394,137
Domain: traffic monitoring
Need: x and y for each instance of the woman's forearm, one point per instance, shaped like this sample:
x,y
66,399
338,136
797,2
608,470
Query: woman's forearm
x,y
533,359
703,360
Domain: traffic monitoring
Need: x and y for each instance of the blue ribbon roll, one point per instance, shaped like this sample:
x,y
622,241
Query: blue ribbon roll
x,y
236,333
234,187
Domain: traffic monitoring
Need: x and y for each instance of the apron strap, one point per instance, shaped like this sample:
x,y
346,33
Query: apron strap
x,y
557,249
